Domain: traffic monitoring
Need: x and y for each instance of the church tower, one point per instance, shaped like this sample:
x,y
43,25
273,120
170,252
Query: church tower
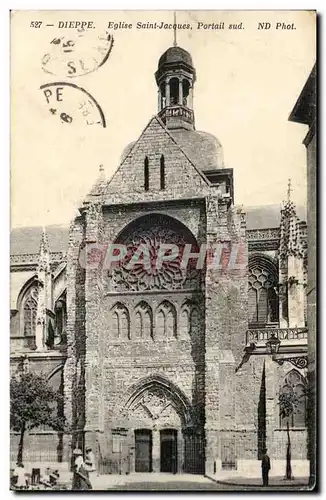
x,y
175,78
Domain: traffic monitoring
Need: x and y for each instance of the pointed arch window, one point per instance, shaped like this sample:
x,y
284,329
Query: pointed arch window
x,y
143,321
262,292
120,322
294,389
160,324
166,320
162,172
29,312
194,320
189,318
184,326
146,174
60,311
138,325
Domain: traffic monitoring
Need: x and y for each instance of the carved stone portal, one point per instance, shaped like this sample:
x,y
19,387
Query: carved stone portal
x,y
154,405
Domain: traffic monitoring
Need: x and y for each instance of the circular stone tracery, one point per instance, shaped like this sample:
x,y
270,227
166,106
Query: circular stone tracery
x,y
259,278
142,267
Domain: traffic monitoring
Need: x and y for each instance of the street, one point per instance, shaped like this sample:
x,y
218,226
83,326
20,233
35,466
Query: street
x,y
164,482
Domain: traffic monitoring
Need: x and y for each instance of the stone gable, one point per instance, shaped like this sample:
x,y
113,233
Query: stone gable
x,y
182,178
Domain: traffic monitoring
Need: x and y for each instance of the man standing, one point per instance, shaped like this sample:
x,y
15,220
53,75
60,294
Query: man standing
x,y
265,467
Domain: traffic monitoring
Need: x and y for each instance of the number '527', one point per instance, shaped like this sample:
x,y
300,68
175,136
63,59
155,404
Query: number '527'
x,y
36,24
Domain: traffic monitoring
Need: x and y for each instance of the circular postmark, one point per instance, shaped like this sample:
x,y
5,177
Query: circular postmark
x,y
71,104
77,53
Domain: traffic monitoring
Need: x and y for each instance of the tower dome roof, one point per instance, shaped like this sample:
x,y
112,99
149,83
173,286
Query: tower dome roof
x,y
175,55
203,148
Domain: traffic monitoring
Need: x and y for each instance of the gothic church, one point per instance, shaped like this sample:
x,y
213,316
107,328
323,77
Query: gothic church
x,y
177,370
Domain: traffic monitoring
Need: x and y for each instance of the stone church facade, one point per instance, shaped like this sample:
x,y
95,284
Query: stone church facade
x,y
166,370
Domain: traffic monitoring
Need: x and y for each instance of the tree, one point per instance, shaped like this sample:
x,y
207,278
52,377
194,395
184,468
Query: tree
x,y
32,402
288,402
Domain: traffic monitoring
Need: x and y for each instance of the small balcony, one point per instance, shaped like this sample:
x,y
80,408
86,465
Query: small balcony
x,y
292,339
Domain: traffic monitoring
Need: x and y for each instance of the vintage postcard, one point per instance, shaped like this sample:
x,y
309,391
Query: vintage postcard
x,y
163,250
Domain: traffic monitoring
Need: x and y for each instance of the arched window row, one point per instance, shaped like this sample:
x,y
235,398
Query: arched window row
x,y
262,291
175,92
162,173
293,404
165,323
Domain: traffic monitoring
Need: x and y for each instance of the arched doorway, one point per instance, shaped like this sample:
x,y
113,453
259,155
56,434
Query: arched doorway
x,y
159,419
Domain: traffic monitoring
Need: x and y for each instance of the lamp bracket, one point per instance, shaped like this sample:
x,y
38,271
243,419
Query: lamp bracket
x,y
297,361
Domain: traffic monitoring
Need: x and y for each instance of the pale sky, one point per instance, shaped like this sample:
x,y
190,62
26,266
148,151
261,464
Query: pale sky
x,y
247,84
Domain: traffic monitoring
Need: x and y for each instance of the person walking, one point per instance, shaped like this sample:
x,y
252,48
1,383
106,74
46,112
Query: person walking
x,y
90,464
80,479
265,467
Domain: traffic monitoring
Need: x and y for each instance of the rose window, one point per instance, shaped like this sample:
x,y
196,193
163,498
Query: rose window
x,y
143,268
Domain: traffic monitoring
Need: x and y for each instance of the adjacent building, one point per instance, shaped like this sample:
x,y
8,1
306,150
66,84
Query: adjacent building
x,y
304,112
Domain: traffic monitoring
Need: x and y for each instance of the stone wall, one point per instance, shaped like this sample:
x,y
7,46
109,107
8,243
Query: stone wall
x,y
312,298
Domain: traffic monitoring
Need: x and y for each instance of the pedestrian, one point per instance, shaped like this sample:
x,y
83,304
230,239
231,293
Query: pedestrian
x,y
90,464
265,467
80,479
78,460
19,473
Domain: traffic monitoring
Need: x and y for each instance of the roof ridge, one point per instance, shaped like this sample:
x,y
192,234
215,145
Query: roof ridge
x,y
202,175
133,146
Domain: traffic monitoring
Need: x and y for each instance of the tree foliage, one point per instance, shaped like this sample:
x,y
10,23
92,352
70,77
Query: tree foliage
x,y
288,402
32,403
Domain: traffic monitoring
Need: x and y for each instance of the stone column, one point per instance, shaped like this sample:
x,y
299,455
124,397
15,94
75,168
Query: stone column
x,y
295,292
156,450
159,100
180,92
39,333
180,451
167,93
191,98
271,380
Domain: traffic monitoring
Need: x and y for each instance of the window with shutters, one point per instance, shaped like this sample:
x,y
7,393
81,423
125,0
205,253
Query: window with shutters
x,y
262,292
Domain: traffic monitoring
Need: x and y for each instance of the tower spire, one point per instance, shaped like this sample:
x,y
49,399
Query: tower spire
x,y
174,29
289,191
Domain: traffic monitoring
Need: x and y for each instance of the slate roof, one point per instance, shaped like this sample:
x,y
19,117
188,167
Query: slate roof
x,y
175,55
26,240
268,216
203,148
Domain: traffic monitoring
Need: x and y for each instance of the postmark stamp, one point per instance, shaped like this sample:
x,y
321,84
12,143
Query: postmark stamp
x,y
72,104
78,53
